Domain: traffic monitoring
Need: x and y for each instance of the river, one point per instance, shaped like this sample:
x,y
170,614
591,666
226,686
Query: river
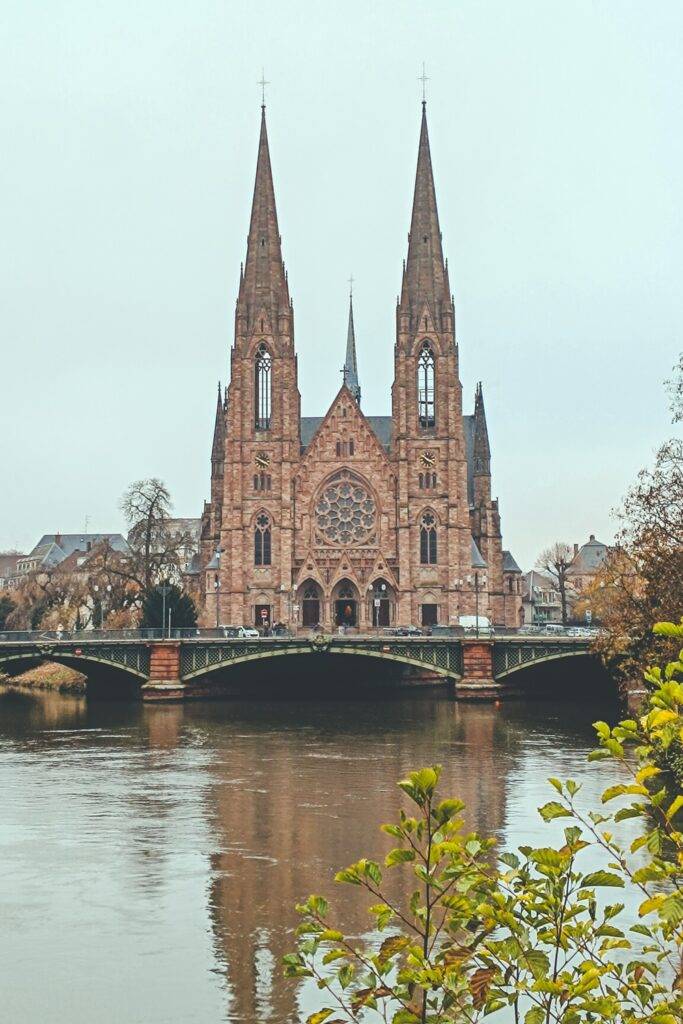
x,y
151,856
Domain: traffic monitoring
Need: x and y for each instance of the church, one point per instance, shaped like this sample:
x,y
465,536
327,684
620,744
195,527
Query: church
x,y
349,519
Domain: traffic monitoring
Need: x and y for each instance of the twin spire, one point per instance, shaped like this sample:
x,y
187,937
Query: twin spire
x,y
425,274
263,281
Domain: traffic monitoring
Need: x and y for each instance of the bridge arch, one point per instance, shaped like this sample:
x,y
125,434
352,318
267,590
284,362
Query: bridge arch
x,y
120,669
515,665
444,661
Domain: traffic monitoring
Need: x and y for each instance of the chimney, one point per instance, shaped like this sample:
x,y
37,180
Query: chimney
x,y
576,550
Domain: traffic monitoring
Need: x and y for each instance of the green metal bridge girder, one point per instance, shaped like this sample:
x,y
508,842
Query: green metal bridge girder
x,y
130,657
512,654
198,658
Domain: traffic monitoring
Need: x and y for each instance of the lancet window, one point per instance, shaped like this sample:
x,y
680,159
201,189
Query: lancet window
x,y
262,539
425,386
428,548
262,388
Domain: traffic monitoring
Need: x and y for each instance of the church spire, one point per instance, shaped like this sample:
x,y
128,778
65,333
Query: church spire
x,y
350,364
263,284
425,278
218,446
481,446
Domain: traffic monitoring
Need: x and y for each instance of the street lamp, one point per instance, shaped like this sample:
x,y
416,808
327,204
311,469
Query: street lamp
x,y
476,597
105,591
217,586
165,589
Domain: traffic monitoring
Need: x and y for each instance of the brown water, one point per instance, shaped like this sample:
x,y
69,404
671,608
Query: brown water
x,y
150,857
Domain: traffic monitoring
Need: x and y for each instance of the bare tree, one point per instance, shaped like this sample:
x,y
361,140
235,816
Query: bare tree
x,y
675,388
155,550
556,561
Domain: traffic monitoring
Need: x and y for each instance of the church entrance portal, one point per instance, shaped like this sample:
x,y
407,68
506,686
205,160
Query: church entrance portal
x,y
346,605
310,606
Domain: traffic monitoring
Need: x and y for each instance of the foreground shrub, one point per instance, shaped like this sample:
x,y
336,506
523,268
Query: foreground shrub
x,y
534,934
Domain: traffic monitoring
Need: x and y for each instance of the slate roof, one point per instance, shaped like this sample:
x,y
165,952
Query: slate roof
x,y
589,557
478,561
509,564
53,548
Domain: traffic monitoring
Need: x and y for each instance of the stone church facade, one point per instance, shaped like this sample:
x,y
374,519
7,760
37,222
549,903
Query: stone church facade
x,y
349,519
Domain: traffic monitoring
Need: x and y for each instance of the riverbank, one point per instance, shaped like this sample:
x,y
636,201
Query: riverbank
x,y
49,676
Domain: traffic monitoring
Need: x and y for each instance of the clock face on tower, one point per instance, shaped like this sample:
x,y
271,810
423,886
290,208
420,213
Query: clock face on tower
x,y
262,460
428,459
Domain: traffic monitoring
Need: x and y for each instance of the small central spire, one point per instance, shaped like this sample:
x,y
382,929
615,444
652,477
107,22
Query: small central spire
x,y
350,365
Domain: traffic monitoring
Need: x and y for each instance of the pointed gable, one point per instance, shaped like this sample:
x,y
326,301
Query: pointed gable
x,y
343,417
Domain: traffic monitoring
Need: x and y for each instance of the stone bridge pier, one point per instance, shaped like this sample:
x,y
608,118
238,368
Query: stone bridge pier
x,y
164,681
477,670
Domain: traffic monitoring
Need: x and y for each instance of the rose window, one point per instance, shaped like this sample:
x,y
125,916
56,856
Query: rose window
x,y
345,512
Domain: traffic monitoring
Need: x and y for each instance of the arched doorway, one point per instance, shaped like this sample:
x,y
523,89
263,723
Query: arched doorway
x,y
382,604
310,599
345,604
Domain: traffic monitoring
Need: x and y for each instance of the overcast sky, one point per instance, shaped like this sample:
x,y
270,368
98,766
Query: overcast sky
x,y
129,148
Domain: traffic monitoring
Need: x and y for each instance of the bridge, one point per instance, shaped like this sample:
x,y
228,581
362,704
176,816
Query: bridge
x,y
199,663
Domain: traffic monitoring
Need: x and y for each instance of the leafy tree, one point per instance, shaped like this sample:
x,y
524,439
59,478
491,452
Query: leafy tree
x,y
556,561
6,606
181,606
641,581
478,932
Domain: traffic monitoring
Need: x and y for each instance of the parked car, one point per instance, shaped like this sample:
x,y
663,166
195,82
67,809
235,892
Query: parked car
x,y
403,631
241,632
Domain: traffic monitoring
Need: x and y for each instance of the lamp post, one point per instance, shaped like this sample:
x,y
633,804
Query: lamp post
x,y
165,589
476,597
105,591
217,586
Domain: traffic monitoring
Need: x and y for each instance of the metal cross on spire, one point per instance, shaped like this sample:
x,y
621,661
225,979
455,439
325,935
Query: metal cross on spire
x,y
424,79
263,83
351,286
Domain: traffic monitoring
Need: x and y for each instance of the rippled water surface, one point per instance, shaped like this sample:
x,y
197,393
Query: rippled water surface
x,y
150,857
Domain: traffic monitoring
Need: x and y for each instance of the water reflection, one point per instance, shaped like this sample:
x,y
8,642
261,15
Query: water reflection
x,y
152,856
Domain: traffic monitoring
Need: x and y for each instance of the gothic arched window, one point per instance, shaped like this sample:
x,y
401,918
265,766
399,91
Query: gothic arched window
x,y
425,386
428,552
262,539
262,405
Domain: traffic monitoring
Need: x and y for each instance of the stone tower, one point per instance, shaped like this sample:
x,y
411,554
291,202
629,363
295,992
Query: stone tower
x,y
260,429
429,442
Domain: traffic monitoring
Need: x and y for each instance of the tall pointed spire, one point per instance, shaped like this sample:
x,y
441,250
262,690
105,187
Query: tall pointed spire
x,y
219,427
218,446
481,446
350,364
425,278
263,284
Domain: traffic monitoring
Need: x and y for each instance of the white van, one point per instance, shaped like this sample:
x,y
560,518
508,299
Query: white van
x,y
474,623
